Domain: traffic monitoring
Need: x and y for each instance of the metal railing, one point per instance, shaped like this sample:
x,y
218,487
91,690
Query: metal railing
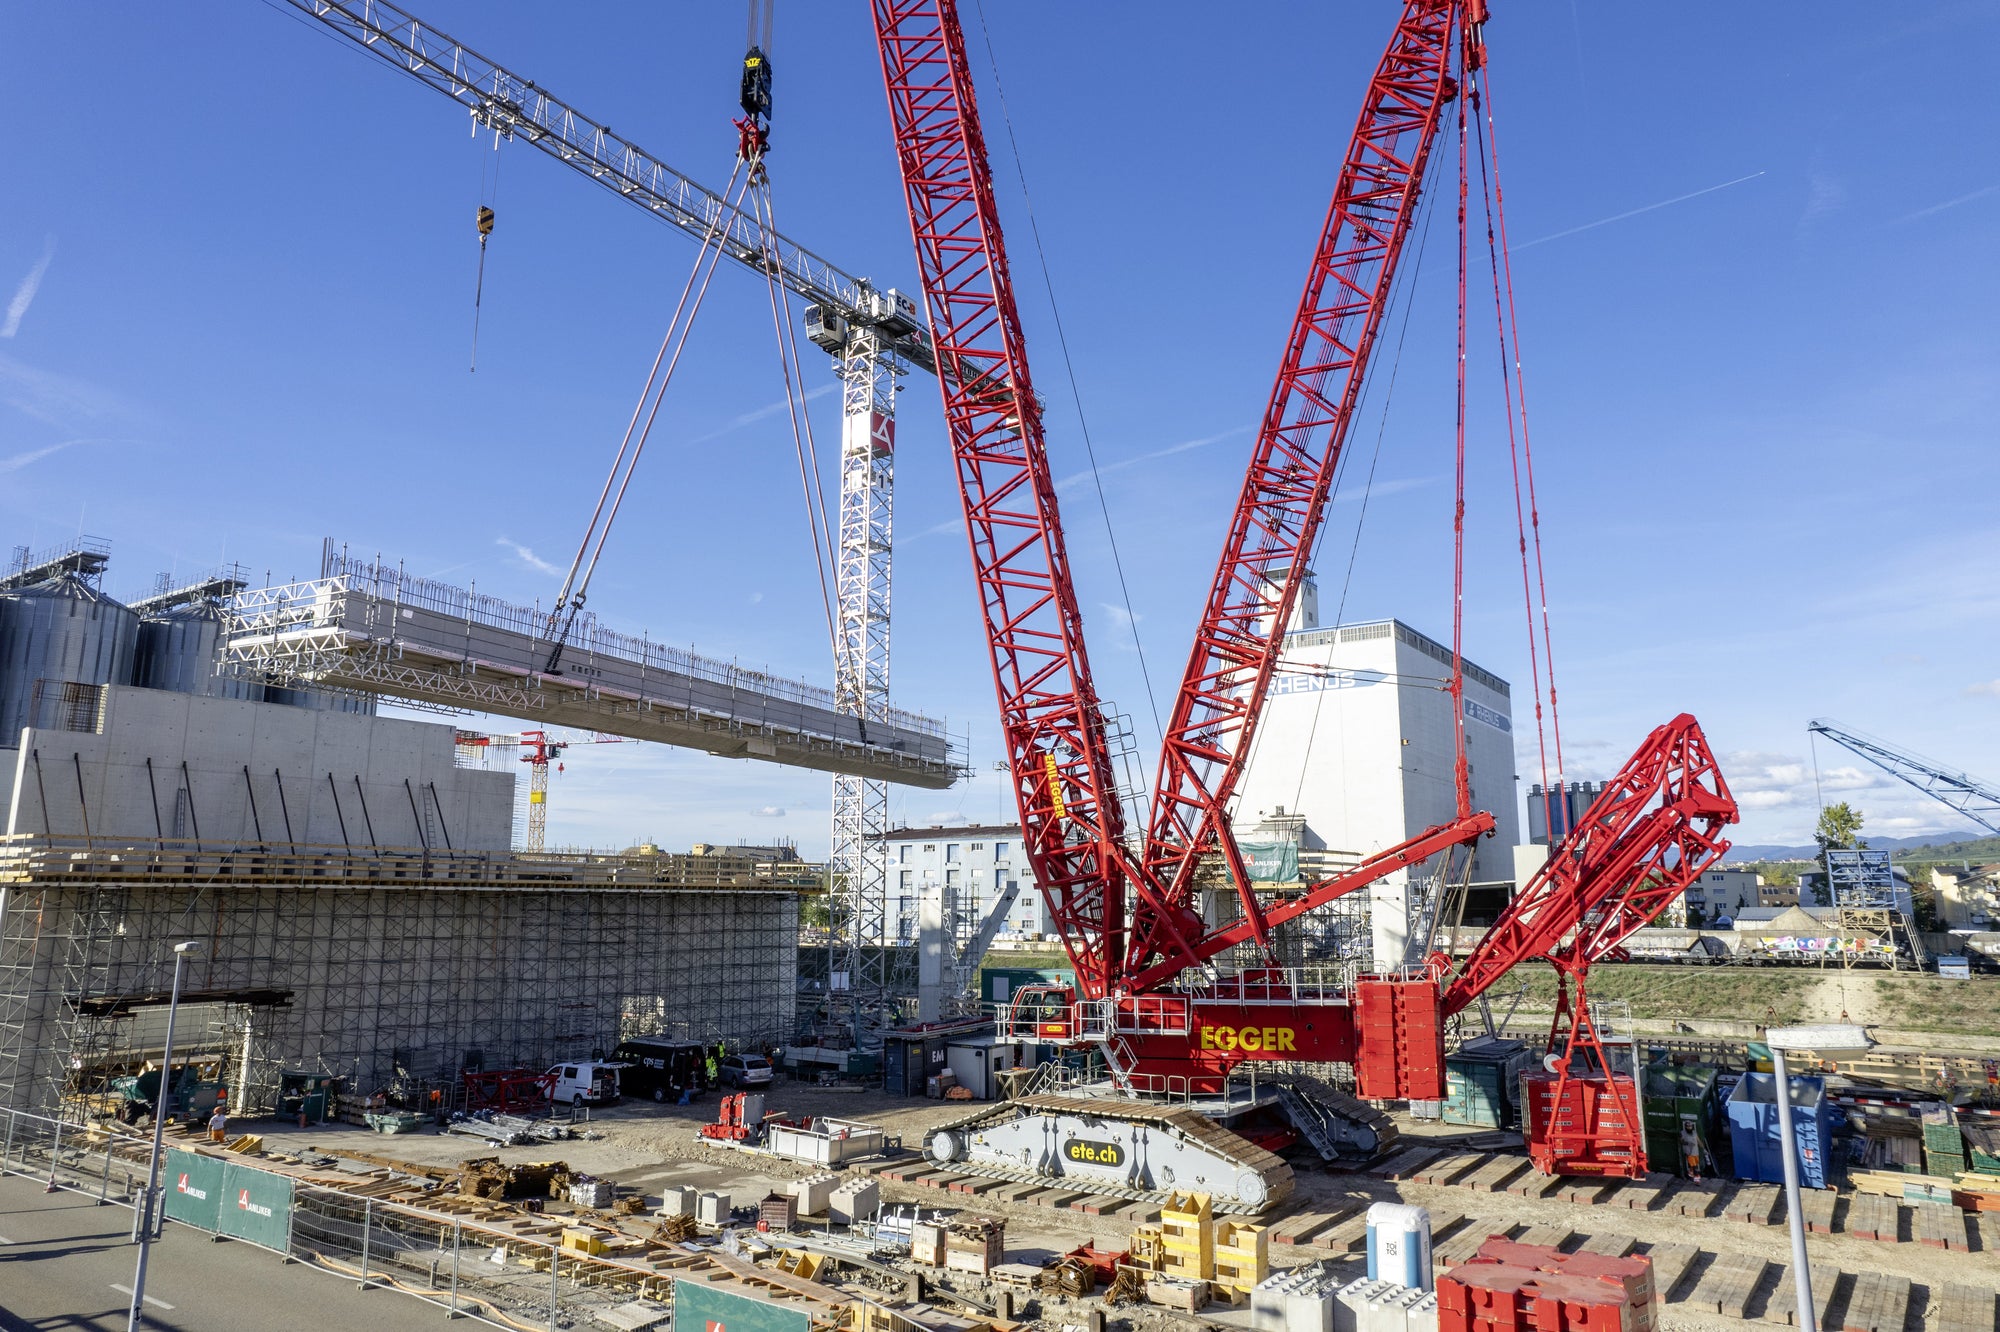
x,y
466,1265
26,857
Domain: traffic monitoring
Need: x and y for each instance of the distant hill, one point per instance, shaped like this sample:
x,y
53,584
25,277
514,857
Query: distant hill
x,y
1968,846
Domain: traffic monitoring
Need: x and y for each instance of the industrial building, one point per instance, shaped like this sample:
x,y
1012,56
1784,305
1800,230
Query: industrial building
x,y
1356,744
359,907
981,864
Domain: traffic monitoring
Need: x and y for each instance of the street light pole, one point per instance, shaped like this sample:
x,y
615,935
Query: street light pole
x,y
1788,1146
150,1205
1827,1038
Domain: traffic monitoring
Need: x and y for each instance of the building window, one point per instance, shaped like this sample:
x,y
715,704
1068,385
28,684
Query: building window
x,y
903,882
951,878
979,846
930,846
950,851
999,850
903,854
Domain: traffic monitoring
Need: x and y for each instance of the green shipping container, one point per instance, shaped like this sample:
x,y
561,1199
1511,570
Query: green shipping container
x,y
1483,1082
1679,1103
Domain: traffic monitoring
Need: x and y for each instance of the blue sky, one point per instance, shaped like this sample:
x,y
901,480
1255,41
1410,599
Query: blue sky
x,y
238,257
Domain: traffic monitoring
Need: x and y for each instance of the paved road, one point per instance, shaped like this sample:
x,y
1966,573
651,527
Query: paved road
x,y
66,1263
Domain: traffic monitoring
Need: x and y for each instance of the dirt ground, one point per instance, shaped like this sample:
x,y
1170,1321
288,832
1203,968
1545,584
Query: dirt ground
x,y
651,1147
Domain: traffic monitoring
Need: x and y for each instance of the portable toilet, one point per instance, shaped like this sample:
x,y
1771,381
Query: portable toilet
x,y
1753,1129
1399,1244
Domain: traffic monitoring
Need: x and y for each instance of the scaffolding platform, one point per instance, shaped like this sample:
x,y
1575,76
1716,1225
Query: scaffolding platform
x,y
373,629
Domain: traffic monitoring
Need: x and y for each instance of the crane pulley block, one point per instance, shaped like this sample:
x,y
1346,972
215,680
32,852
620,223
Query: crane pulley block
x,y
755,97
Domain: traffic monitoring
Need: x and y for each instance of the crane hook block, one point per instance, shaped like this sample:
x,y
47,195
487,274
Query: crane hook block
x,y
756,94
485,223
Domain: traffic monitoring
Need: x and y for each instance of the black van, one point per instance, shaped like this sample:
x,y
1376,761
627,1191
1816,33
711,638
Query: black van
x,y
660,1068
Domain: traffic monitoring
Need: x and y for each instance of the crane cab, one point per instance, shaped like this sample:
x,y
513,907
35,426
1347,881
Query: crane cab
x,y
1041,1013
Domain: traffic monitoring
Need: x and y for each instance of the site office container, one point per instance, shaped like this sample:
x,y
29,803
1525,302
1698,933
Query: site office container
x,y
1681,1110
1753,1129
910,1058
1482,1082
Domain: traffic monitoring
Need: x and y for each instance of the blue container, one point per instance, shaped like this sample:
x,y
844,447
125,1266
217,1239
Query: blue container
x,y
1753,1129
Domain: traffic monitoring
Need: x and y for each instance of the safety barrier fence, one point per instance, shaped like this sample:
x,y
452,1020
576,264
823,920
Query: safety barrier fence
x,y
464,1265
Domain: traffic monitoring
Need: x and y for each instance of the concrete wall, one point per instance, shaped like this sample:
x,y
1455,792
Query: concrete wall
x,y
302,765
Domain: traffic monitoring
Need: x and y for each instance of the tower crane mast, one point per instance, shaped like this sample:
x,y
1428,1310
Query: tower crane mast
x,y
874,336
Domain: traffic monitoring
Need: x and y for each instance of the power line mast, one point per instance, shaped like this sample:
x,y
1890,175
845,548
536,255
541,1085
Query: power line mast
x,y
874,336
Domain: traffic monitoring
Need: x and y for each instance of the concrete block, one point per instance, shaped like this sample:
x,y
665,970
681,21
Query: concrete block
x,y
678,1200
712,1209
856,1200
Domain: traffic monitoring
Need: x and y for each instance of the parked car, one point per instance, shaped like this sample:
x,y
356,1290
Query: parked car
x,y
661,1068
584,1083
747,1070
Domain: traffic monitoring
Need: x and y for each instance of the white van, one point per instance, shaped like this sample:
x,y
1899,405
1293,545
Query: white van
x,y
583,1083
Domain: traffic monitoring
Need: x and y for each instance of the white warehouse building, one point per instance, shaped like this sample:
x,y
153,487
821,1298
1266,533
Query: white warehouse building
x,y
1356,740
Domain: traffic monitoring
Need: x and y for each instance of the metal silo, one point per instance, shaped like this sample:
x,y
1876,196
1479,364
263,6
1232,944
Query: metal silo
x,y
179,649
57,633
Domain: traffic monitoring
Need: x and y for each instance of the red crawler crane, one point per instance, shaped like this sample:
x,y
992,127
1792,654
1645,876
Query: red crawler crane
x,y
1146,995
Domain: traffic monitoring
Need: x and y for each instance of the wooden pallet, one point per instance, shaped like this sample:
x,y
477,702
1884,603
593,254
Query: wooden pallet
x,y
1816,1206
1873,1217
1450,1169
1728,1284
1535,1185
1301,1228
1878,1303
1495,1175
1783,1306
1553,1236
1404,1164
1757,1204
1939,1226
1963,1308
1670,1263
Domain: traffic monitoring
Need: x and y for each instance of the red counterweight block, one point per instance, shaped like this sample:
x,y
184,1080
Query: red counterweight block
x,y
1399,1023
1507,1287
1584,1124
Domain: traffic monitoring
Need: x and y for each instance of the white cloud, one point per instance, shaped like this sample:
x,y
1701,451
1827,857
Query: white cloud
x,y
1766,799
53,399
1991,688
24,295
528,557
1950,203
756,597
1077,478
20,460
767,812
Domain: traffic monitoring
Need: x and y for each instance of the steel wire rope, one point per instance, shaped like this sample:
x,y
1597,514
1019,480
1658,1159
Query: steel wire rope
x,y
1405,288
804,446
1069,368
570,600
1489,134
489,203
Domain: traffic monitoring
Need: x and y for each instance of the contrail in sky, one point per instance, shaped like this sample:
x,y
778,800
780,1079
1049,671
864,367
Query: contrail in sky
x,y
24,295
1620,217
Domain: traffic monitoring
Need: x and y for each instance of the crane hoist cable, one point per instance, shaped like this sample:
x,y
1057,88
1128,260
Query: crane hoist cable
x,y
804,445
483,221
576,585
1480,90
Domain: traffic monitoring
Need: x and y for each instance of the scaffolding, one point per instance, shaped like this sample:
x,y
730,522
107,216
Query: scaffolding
x,y
378,967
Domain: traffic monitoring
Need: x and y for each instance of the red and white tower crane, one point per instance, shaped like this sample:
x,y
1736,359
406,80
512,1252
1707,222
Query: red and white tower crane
x,y
540,750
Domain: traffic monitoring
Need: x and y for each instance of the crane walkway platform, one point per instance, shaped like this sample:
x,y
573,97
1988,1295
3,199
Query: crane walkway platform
x,y
372,629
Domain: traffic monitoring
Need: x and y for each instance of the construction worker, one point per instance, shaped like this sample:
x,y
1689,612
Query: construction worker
x,y
714,1067
218,1123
